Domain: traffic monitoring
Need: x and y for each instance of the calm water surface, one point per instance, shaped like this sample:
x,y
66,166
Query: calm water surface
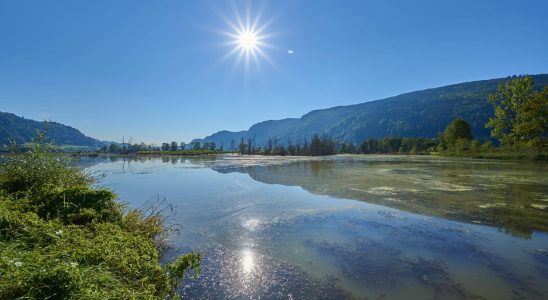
x,y
377,227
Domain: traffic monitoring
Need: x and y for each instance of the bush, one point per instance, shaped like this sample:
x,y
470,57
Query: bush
x,y
39,170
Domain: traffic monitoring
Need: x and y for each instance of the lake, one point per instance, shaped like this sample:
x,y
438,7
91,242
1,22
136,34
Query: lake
x,y
377,227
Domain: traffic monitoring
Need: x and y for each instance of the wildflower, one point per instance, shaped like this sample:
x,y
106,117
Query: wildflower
x,y
74,264
18,263
59,232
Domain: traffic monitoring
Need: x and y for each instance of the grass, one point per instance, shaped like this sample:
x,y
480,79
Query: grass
x,y
500,153
62,238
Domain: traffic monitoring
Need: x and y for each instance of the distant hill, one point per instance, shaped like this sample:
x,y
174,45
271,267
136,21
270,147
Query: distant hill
x,y
423,113
21,130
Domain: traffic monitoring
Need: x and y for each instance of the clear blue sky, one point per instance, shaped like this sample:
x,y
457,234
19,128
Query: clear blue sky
x,y
153,70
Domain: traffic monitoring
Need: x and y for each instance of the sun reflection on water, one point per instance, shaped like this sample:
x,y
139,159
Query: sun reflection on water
x,y
248,262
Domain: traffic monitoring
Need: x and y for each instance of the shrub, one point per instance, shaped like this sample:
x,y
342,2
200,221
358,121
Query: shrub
x,y
40,170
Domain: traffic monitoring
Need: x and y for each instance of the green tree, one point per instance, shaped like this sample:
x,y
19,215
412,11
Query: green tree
x,y
520,113
533,122
455,131
173,146
114,148
165,146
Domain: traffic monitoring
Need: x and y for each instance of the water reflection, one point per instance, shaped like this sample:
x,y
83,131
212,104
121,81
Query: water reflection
x,y
247,261
511,196
269,228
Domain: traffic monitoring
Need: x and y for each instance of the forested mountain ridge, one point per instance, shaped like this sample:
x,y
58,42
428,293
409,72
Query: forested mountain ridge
x,y
22,130
423,113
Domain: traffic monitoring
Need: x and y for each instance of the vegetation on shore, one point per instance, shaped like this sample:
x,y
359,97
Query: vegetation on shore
x,y
181,152
63,238
520,125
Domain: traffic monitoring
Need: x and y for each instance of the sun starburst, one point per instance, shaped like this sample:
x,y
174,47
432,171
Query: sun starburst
x,y
247,39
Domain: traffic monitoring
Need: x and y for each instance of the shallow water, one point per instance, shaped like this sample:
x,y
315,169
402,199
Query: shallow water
x,y
388,227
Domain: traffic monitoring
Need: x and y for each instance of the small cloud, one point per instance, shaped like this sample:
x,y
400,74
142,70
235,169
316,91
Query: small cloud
x,y
290,51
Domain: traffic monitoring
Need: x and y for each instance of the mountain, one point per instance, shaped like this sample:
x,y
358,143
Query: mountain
x,y
423,113
21,130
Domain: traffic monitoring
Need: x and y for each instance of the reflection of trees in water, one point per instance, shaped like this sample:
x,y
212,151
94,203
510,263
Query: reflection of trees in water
x,y
508,200
518,218
318,167
503,201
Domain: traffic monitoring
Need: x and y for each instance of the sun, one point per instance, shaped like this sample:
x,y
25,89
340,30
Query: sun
x,y
247,40
248,43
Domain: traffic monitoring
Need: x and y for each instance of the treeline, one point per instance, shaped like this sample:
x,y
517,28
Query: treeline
x,y
315,146
395,145
166,148
325,145
180,152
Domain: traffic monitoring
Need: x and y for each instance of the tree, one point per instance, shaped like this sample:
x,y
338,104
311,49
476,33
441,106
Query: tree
x,y
390,144
114,148
196,146
249,147
269,146
455,131
173,146
520,114
315,145
370,146
533,122
242,146
183,145
165,146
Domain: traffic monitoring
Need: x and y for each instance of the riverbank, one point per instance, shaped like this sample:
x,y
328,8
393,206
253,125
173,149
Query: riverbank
x,y
499,154
63,238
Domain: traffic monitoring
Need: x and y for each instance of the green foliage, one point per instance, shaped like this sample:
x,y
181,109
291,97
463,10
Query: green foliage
x,y
398,145
520,113
457,134
182,264
533,123
173,146
78,205
60,238
39,170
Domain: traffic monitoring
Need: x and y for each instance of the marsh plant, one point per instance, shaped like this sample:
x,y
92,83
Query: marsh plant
x,y
62,238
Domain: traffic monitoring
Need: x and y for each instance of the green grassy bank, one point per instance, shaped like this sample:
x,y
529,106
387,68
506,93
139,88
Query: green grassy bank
x,y
62,238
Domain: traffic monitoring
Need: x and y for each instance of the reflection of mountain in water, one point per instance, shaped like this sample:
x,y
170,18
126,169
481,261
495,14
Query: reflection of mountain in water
x,y
503,195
